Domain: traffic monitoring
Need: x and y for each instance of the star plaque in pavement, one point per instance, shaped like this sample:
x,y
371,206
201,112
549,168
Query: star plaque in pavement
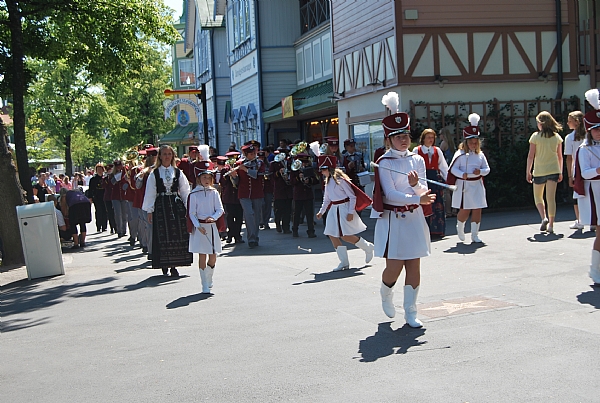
x,y
461,306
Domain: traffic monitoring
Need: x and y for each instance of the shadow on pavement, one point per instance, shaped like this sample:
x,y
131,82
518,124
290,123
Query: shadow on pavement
x,y
190,299
18,324
545,237
334,275
590,297
582,235
465,248
386,342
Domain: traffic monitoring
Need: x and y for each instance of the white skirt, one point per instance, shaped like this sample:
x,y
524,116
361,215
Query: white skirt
x,y
586,209
336,220
208,244
473,196
404,238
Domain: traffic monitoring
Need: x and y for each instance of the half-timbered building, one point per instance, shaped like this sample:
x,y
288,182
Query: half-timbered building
x,y
459,52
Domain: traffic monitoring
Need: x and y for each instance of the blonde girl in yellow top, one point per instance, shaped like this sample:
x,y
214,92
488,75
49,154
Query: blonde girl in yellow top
x,y
546,157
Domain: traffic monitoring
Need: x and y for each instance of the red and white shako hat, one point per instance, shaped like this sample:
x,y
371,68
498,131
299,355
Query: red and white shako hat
x,y
203,167
472,131
327,161
591,119
397,122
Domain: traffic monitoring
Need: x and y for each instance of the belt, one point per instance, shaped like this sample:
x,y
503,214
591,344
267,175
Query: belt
x,y
347,199
472,179
401,209
167,194
205,222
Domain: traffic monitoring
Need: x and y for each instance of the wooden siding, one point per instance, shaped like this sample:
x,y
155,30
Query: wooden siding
x,y
465,13
277,86
245,92
219,53
279,22
356,22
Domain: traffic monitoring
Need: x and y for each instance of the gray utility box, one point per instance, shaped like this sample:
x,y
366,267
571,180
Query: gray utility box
x,y
41,243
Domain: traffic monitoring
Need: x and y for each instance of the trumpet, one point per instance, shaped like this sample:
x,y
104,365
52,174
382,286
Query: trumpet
x,y
299,148
248,164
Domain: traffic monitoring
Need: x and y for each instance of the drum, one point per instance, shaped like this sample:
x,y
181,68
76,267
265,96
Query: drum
x,y
364,178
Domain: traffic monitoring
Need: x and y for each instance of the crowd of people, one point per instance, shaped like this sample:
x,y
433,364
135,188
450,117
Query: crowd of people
x,y
176,207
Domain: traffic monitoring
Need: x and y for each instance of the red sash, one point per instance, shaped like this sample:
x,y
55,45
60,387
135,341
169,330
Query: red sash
x,y
221,224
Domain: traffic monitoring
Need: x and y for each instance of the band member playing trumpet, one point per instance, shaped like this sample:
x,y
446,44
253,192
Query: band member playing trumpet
x,y
401,232
302,180
248,176
340,197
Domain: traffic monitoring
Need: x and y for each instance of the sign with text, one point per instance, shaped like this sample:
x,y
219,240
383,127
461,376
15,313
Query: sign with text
x,y
245,68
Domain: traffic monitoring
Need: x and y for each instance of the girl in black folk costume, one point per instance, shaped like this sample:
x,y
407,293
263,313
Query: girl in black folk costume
x,y
204,209
342,198
437,170
167,190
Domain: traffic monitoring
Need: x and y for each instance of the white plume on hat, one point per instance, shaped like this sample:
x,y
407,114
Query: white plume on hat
x,y
204,152
314,147
392,101
474,119
593,97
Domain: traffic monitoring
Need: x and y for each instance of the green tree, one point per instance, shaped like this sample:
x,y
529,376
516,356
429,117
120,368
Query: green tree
x,y
100,37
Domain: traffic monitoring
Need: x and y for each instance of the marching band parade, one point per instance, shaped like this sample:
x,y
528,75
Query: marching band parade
x,y
176,207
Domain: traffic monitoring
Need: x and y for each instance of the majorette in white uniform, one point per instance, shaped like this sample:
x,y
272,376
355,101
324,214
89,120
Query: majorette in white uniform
x,y
405,235
587,179
401,232
470,193
205,203
342,198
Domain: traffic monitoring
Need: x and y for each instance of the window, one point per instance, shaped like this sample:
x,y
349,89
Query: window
x,y
312,14
326,46
241,22
300,66
369,137
186,72
202,51
318,68
308,63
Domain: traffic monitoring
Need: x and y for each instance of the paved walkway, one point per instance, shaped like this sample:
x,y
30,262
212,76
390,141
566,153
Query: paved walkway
x,y
514,320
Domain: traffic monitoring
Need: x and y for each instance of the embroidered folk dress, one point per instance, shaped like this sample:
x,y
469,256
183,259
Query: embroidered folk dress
x,y
167,190
401,235
205,203
470,193
337,224
437,170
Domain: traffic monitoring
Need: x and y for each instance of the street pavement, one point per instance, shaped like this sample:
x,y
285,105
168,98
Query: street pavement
x,y
513,320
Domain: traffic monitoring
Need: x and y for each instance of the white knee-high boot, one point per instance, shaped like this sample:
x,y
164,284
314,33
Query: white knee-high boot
x,y
595,267
410,306
367,247
342,253
460,230
387,300
210,270
475,232
205,287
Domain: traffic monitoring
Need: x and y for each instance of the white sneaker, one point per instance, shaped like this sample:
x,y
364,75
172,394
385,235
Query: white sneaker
x,y
576,225
544,225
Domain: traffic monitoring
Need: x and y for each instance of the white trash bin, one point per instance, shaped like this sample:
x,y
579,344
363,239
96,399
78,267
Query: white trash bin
x,y
41,243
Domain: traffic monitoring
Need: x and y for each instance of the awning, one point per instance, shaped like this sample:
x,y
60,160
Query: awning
x,y
309,99
181,135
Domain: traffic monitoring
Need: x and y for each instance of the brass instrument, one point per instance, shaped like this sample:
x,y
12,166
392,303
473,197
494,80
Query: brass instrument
x,y
280,157
296,165
248,164
323,148
298,148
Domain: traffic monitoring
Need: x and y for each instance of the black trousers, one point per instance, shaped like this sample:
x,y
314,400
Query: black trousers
x,y
235,217
100,214
283,213
110,214
308,208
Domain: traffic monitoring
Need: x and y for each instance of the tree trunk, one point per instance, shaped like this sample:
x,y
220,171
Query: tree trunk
x,y
68,158
11,196
18,88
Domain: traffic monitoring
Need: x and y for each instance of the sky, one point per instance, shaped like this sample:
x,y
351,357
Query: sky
x,y
175,5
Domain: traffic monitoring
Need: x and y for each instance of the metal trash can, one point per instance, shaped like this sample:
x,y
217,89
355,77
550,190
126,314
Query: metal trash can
x,y
41,243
